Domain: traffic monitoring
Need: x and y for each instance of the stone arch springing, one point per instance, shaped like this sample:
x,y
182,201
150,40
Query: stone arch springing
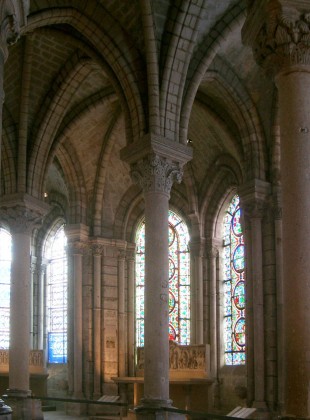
x,y
202,59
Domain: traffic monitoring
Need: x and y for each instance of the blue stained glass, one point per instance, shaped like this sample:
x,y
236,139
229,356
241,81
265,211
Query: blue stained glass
x,y
238,258
57,347
57,297
179,281
234,286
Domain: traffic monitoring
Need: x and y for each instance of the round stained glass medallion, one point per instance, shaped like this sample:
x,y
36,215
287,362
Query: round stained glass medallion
x,y
171,302
172,333
239,332
171,236
238,258
239,295
171,268
236,223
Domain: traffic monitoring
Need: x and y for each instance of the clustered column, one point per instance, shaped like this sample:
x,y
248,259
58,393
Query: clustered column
x,y
212,255
196,252
76,250
97,260
278,31
253,196
131,310
122,330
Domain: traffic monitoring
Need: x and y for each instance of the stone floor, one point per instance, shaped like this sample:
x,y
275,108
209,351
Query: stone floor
x,y
59,415
51,415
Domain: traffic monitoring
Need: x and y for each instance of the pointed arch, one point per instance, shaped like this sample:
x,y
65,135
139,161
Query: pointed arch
x,y
179,281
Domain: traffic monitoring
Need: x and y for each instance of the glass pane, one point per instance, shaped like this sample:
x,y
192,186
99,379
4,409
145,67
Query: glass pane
x,y
57,298
179,281
234,286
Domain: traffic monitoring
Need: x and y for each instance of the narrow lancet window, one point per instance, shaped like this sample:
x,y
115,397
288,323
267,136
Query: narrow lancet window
x,y
179,281
234,286
56,297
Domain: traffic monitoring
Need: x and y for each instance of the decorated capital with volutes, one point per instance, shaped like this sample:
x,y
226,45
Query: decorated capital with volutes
x,y
156,174
279,34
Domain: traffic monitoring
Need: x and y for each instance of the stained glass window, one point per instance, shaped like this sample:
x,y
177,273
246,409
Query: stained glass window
x,y
234,286
56,307
5,280
179,281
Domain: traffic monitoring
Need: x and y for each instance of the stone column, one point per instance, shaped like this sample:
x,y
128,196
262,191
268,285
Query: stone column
x,y
155,175
131,311
77,251
33,304
155,163
13,15
41,299
212,255
22,214
278,31
253,197
97,253
197,271
277,213
122,330
77,236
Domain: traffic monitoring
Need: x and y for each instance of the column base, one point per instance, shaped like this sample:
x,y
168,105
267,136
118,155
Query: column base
x,y
262,411
152,409
23,407
76,409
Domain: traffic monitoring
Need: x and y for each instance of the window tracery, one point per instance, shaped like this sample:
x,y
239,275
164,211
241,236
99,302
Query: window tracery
x,y
56,297
179,281
234,285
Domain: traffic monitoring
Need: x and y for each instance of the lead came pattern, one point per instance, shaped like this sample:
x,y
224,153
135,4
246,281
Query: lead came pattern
x,y
57,299
179,282
234,286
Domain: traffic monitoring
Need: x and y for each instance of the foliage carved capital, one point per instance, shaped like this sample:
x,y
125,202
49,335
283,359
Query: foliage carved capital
x,y
279,33
156,174
13,15
21,219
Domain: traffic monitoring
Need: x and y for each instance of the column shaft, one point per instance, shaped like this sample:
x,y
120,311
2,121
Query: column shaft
x,y
294,103
198,268
156,373
20,313
78,365
258,312
213,253
122,331
131,315
97,324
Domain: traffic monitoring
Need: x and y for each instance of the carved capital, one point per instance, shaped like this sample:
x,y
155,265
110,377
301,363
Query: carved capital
x,y
97,249
121,254
254,209
20,218
254,198
131,254
156,174
279,33
77,248
13,15
212,252
276,206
